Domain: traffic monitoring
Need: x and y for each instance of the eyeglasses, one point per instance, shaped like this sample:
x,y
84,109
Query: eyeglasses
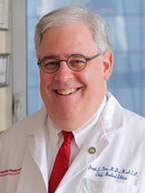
x,y
76,62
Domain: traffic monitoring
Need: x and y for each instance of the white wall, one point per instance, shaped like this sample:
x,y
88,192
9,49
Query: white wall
x,y
13,96
18,26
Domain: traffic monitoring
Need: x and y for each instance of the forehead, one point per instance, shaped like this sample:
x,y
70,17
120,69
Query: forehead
x,y
71,38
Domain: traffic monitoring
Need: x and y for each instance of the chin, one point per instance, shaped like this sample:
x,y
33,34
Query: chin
x,y
66,115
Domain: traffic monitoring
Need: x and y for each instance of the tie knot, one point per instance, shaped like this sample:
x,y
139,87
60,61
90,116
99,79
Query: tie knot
x,y
67,137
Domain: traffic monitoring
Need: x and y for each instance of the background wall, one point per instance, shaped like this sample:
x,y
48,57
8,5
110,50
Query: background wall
x,y
5,67
13,44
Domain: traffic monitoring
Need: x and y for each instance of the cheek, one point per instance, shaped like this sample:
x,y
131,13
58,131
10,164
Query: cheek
x,y
94,76
95,82
45,82
45,79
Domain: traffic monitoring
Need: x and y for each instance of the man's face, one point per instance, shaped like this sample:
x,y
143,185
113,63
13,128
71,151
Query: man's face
x,y
68,95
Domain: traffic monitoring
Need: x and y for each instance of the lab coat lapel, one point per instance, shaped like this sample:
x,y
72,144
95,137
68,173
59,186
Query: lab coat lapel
x,y
39,155
34,169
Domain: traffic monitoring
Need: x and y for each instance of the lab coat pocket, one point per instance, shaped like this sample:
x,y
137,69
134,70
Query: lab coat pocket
x,y
100,186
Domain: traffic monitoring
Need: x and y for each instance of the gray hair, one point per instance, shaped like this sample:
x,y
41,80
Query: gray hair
x,y
66,15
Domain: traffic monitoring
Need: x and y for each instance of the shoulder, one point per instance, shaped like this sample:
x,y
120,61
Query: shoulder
x,y
15,137
115,116
134,125
133,118
14,141
125,130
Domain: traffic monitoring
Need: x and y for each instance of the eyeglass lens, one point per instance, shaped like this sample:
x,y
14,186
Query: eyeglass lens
x,y
76,63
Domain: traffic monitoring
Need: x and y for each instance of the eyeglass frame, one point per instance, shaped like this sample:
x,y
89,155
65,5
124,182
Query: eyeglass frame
x,y
66,61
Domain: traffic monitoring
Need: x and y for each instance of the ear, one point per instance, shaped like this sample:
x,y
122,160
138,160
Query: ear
x,y
108,64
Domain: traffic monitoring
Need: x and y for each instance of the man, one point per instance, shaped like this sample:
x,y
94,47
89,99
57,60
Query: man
x,y
82,140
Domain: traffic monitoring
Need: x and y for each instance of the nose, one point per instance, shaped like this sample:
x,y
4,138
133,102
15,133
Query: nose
x,y
64,73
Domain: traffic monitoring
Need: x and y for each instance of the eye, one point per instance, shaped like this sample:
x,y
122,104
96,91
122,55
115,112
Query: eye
x,y
50,63
77,62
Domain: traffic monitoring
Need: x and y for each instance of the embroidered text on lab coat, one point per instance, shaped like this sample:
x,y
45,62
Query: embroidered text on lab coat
x,y
113,172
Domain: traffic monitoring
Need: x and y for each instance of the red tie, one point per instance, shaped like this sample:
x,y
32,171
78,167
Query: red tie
x,y
61,163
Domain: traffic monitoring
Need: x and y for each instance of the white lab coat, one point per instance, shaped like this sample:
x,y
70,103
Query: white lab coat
x,y
117,166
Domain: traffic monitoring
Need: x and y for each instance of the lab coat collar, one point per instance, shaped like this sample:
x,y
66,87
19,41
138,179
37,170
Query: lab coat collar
x,y
36,123
111,118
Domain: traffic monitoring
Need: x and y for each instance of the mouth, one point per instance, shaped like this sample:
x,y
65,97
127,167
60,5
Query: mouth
x,y
66,92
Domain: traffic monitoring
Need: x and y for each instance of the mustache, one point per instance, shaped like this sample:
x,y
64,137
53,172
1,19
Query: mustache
x,y
65,85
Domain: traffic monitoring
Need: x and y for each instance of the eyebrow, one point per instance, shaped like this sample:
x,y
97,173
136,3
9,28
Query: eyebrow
x,y
58,57
50,57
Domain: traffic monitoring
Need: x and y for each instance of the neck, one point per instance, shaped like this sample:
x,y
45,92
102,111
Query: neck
x,y
75,122
69,124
